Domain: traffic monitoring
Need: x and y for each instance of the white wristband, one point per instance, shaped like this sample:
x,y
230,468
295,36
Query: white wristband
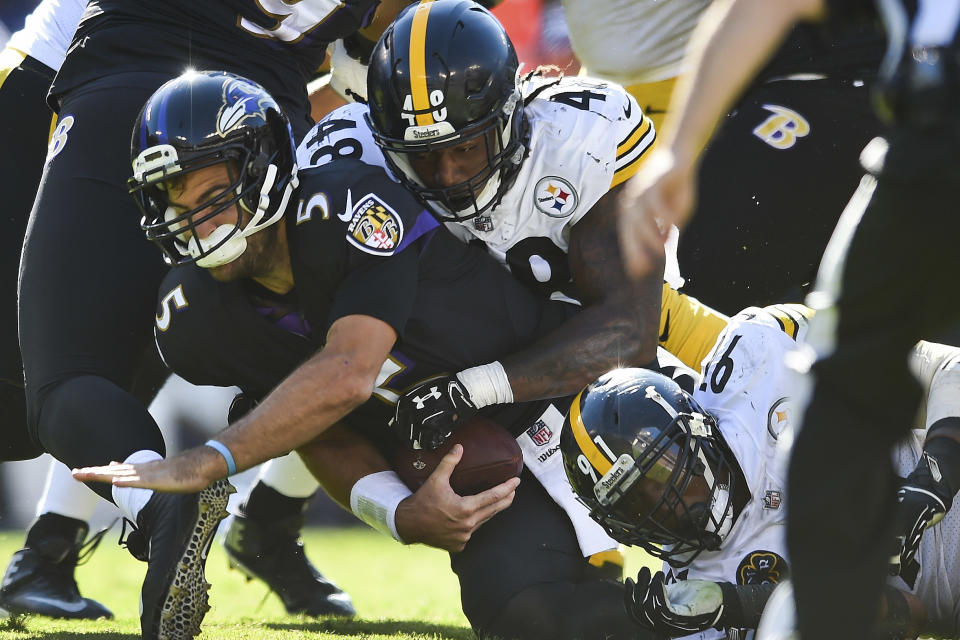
x,y
487,384
374,499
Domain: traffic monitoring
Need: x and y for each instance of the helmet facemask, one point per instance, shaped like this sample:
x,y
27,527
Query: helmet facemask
x,y
502,136
673,497
650,465
182,130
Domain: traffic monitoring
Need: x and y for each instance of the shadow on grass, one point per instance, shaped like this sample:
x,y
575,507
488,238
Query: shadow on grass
x,y
22,627
377,627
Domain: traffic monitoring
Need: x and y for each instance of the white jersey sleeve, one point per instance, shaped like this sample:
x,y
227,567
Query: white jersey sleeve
x,y
341,133
47,32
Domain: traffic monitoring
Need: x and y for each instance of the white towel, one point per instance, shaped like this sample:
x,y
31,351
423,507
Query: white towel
x,y
541,454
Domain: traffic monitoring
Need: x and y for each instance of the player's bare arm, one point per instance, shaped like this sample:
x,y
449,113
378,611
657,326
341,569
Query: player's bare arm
x,y
436,516
617,327
433,515
339,378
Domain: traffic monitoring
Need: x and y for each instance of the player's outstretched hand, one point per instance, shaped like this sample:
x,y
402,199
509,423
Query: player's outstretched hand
x,y
186,472
436,516
660,195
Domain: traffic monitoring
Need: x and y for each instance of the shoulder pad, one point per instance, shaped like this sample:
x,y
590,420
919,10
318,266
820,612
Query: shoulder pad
x,y
602,112
793,319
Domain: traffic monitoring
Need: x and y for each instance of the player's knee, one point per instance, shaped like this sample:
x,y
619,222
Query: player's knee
x,y
565,611
17,443
86,420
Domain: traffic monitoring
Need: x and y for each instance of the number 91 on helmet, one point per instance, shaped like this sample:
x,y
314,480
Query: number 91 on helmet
x,y
650,465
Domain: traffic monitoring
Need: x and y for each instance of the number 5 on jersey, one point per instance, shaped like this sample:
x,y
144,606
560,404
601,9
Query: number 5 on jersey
x,y
173,301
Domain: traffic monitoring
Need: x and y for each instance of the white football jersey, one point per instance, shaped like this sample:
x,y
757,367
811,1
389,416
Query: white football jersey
x,y
585,137
48,31
747,388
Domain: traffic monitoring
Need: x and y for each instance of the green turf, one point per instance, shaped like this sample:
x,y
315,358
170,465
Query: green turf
x,y
400,593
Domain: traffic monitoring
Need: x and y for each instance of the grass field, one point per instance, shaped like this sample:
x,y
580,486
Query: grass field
x,y
400,593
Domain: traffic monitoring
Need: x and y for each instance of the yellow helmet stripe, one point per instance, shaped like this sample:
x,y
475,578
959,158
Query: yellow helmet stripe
x,y
418,64
587,446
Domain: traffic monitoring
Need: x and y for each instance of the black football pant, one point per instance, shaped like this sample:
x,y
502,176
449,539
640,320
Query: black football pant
x,y
24,126
26,123
772,184
522,575
891,272
88,285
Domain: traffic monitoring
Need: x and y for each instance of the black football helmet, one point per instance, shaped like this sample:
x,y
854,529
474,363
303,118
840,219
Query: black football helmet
x,y
650,464
197,120
445,73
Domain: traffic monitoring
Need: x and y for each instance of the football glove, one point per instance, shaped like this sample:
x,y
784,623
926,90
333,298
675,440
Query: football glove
x,y
242,404
427,414
922,501
685,607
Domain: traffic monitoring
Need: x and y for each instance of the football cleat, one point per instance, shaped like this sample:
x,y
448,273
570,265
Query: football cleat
x,y
179,529
40,577
274,554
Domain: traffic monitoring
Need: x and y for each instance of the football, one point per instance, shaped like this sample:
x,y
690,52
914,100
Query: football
x,y
490,456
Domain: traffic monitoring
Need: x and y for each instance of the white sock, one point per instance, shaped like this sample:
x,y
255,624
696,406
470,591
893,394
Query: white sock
x,y
131,500
289,476
65,496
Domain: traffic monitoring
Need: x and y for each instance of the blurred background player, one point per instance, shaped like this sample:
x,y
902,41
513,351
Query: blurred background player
x,y
784,159
877,294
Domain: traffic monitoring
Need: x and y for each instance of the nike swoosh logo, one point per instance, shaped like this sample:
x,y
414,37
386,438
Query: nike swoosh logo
x,y
628,109
348,212
59,604
666,328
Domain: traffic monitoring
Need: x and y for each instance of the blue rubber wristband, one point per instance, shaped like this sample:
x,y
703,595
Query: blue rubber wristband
x,y
227,456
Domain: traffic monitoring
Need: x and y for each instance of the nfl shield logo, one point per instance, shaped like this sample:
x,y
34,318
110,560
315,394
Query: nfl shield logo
x,y
771,500
540,433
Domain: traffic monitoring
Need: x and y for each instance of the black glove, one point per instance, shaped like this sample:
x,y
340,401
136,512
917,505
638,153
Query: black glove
x,y
649,606
428,413
922,501
242,404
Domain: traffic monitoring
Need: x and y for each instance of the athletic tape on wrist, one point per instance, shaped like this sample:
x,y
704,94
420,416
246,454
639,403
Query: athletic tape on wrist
x,y
374,499
487,384
222,449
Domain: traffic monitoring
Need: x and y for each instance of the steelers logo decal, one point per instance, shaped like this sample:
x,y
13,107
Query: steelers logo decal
x,y
375,227
779,417
762,567
555,197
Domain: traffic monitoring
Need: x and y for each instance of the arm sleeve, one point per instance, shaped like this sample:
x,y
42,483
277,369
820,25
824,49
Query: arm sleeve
x,y
688,328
